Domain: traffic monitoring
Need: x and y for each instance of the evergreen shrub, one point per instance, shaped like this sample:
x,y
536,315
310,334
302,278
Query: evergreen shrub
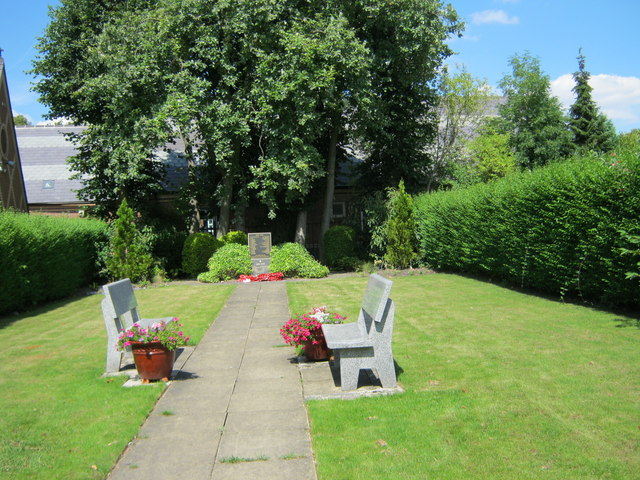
x,y
293,260
128,254
235,236
196,252
340,247
227,263
400,229
45,258
559,229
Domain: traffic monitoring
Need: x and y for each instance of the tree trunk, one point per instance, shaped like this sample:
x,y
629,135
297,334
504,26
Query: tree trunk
x,y
225,205
195,225
301,227
327,211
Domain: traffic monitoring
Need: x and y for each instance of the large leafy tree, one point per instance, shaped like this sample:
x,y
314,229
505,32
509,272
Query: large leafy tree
x,y
407,44
592,130
257,90
463,104
531,116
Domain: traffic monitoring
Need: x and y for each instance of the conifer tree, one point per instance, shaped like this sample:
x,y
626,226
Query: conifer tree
x,y
400,229
128,257
592,130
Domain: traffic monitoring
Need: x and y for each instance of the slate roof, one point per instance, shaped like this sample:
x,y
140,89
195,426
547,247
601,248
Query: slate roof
x,y
44,152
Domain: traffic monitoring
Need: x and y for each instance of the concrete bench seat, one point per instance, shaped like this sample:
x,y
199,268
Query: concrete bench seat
x,y
120,312
367,342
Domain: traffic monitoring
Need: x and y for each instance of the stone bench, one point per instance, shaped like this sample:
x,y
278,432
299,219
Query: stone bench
x,y
367,342
120,312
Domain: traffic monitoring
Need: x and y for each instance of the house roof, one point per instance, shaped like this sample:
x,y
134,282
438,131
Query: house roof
x,y
44,152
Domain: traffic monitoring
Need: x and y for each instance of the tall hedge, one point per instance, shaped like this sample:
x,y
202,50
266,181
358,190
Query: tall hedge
x,y
558,229
45,258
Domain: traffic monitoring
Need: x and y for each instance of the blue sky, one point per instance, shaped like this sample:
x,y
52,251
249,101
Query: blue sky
x,y
552,30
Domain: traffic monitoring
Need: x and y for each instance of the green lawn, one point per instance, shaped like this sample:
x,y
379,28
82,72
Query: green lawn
x,y
60,418
499,385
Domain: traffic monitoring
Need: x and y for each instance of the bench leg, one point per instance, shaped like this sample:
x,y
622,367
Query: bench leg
x,y
351,362
387,373
114,359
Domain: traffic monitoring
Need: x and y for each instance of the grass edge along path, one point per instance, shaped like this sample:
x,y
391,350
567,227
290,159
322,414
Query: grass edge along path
x,y
61,418
499,385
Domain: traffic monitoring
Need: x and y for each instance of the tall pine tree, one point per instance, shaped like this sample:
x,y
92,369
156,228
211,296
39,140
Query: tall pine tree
x,y
592,130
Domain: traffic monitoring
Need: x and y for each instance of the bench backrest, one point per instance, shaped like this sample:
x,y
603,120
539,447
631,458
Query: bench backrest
x,y
375,306
119,307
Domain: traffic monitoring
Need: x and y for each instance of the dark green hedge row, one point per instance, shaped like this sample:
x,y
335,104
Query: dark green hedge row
x,y
45,258
558,229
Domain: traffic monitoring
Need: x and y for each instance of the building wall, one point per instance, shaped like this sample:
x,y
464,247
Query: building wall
x,y
12,188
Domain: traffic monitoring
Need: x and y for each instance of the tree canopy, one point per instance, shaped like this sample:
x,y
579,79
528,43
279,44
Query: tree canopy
x,y
264,95
531,116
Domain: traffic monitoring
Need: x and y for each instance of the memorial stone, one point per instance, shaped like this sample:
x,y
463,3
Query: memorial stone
x,y
260,250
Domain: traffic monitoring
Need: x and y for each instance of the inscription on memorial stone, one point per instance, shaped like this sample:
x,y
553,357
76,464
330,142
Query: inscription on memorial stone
x,y
260,251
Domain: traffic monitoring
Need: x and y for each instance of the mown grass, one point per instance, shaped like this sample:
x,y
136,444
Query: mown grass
x,y
499,385
60,418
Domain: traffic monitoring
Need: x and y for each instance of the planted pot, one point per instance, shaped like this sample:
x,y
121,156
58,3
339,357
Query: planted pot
x,y
153,360
317,351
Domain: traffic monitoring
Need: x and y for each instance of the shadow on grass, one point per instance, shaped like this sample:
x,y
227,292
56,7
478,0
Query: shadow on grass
x,y
627,322
569,299
9,319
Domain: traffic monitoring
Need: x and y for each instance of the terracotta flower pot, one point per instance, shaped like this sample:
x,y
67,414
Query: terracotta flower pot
x,y
317,351
153,360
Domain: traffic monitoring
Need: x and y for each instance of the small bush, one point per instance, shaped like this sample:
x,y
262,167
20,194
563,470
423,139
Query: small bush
x,y
196,252
339,247
235,236
293,260
227,263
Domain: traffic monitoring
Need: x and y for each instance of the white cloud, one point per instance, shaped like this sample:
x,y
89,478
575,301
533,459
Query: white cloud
x,y
618,97
494,16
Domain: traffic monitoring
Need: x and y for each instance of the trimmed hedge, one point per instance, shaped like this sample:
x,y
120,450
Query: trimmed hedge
x,y
340,247
293,260
196,252
46,258
557,229
228,263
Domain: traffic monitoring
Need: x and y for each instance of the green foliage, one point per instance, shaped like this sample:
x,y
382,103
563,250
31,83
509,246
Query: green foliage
x,y
491,154
556,229
45,258
128,255
462,106
227,263
198,249
293,260
592,130
340,247
400,229
241,238
21,121
633,250
532,117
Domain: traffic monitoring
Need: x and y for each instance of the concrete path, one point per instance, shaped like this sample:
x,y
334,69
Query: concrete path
x,y
236,410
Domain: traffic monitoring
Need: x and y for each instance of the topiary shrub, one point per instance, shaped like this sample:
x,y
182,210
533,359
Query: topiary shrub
x,y
340,247
227,263
196,252
235,236
293,260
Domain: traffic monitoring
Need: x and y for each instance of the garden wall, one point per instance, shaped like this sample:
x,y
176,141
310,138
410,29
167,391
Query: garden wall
x,y
45,258
557,229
